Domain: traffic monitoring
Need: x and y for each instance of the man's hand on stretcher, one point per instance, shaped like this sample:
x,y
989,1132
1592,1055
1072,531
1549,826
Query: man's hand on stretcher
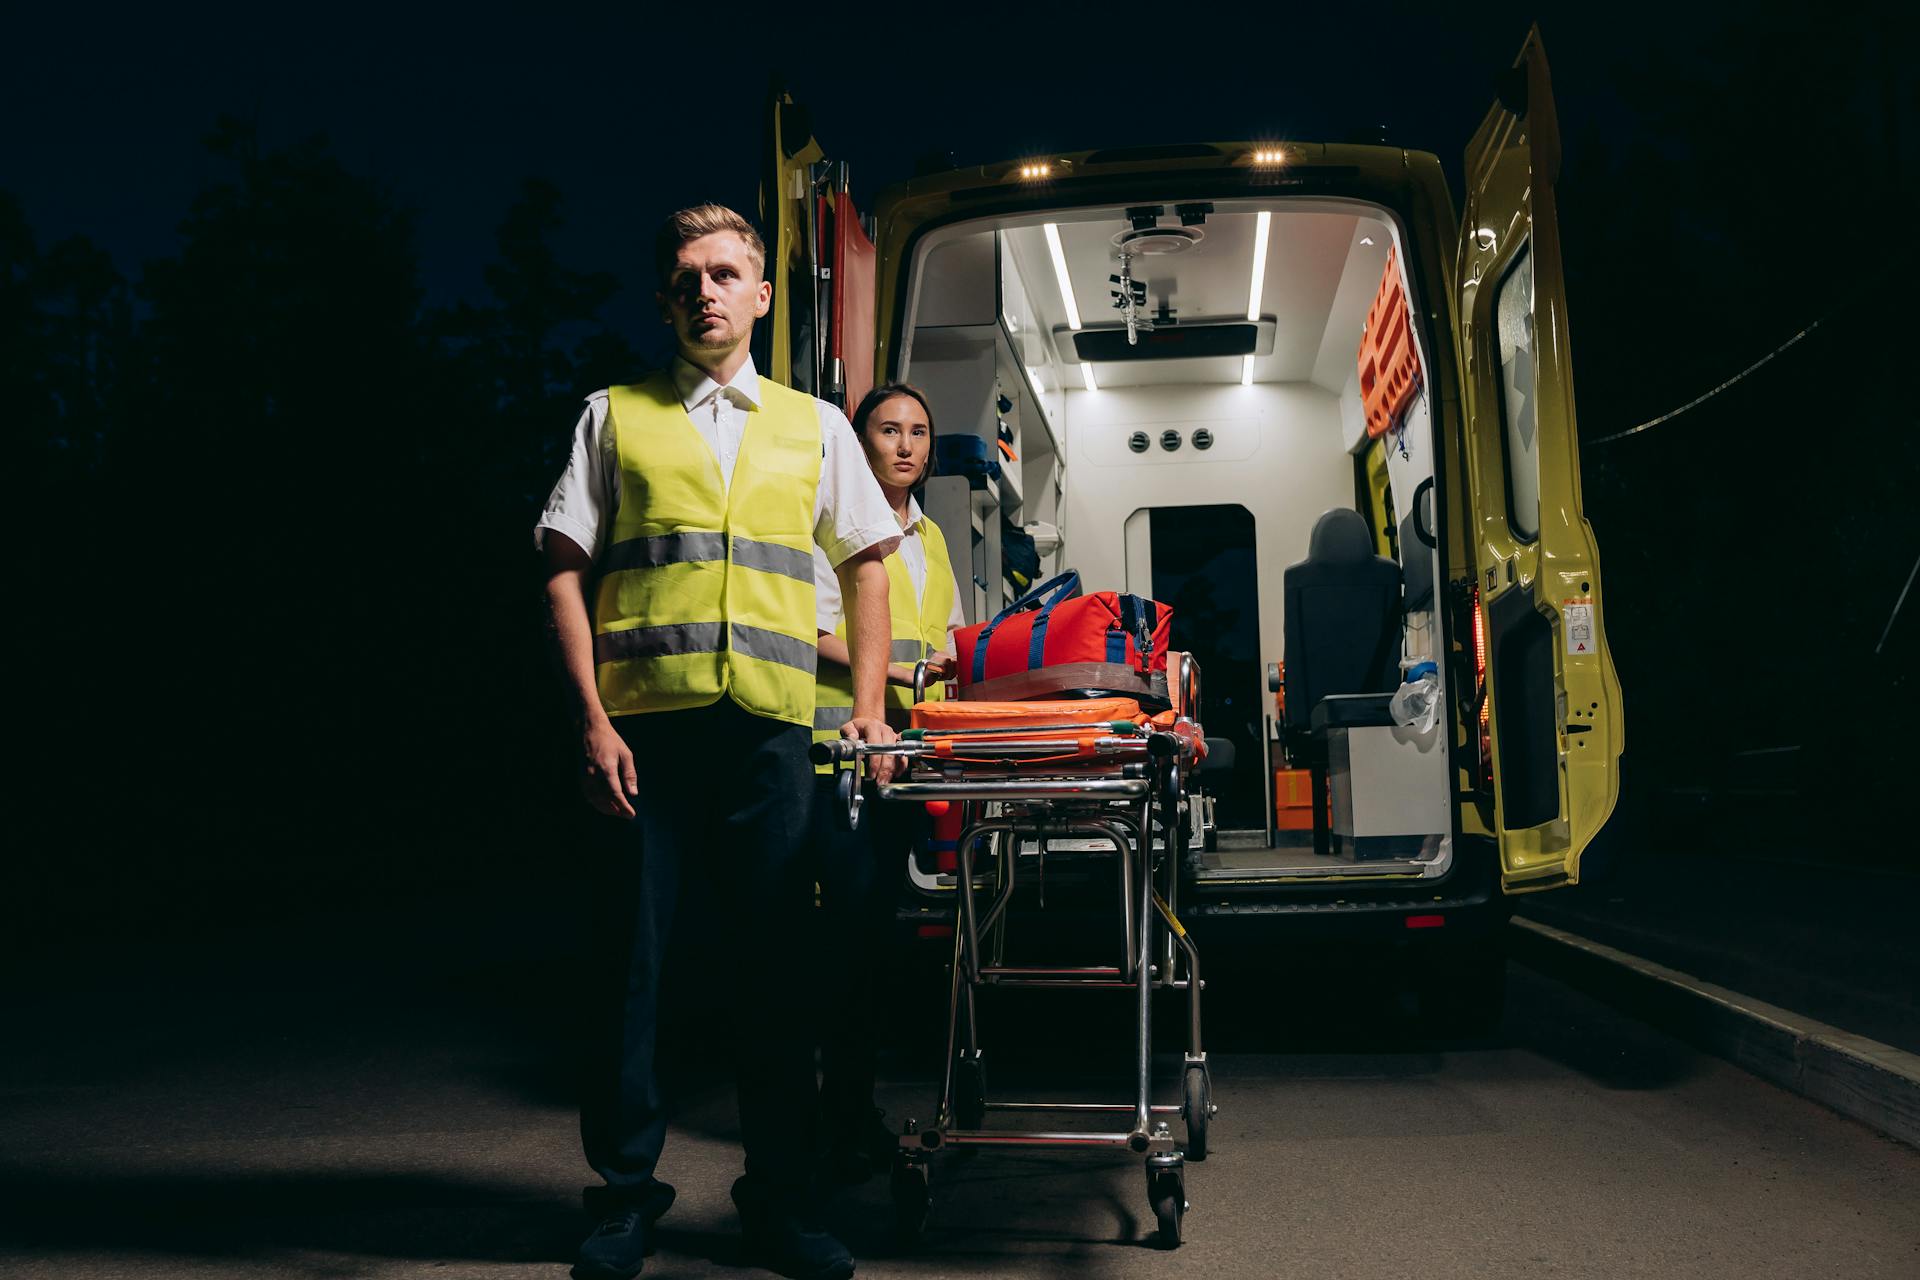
x,y
874,733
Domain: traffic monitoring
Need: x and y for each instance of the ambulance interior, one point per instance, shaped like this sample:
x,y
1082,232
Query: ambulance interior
x,y
1192,463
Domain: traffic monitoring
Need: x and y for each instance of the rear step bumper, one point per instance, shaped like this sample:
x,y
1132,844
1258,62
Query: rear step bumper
x,y
1463,905
1466,901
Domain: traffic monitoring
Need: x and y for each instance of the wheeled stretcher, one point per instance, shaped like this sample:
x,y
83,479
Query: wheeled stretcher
x,y
1107,776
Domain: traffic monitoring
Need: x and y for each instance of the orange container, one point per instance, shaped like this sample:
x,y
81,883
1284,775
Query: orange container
x,y
943,840
1389,369
1293,799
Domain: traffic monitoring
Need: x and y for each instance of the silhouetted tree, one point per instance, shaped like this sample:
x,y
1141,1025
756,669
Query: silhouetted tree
x,y
511,374
227,590
527,357
65,326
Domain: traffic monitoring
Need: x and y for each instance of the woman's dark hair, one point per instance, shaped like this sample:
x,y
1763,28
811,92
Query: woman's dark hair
x,y
879,396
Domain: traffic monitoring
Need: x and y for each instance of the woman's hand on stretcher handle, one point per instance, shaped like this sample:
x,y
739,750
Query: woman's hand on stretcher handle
x,y
939,667
874,733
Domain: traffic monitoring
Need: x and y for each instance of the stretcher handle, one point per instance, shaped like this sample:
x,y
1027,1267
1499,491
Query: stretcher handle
x,y
843,750
837,751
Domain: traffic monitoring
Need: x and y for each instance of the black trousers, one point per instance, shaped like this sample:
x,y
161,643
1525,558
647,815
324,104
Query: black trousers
x,y
719,846
859,874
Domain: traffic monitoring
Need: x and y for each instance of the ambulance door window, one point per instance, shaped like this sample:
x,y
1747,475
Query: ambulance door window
x,y
1513,309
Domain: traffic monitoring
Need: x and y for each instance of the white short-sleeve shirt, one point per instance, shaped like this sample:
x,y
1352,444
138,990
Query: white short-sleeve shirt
x,y
850,514
830,609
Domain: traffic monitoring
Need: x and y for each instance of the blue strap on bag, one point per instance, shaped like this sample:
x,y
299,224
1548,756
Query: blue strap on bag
x,y
1043,597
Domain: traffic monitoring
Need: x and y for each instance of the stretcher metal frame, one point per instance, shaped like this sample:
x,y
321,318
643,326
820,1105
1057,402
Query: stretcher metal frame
x,y
1058,781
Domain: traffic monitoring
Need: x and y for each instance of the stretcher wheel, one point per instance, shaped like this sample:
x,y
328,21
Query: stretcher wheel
x,y
910,1197
1167,1192
969,1093
1197,1099
846,790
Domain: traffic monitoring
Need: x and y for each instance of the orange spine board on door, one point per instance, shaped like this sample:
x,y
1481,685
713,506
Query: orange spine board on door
x,y
1389,369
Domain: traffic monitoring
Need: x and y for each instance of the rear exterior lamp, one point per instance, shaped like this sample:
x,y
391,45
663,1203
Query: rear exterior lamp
x,y
1035,171
1269,155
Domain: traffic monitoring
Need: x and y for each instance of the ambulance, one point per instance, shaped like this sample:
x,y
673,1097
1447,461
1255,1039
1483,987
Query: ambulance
x,y
1294,392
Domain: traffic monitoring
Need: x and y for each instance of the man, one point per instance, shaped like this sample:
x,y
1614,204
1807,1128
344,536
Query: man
x,y
678,548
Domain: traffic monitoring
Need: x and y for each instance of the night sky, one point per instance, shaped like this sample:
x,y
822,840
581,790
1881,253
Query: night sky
x,y
103,116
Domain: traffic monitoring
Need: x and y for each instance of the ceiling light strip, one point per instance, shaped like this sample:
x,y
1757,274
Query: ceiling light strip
x,y
1059,257
1246,370
1259,265
1086,376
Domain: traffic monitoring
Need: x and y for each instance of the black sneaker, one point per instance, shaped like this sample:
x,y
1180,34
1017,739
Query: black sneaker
x,y
620,1245
785,1235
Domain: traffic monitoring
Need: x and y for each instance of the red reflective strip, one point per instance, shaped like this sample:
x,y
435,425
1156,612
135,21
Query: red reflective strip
x,y
935,931
1425,922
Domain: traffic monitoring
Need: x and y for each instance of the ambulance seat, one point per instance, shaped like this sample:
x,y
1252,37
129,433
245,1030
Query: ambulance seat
x,y
1342,637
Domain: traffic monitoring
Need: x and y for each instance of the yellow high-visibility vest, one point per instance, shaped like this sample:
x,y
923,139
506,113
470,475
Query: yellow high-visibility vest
x,y
707,588
919,631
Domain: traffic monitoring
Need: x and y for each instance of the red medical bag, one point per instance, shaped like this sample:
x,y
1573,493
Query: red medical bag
x,y
1053,625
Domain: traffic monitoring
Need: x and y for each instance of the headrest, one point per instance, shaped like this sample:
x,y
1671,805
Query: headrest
x,y
1340,536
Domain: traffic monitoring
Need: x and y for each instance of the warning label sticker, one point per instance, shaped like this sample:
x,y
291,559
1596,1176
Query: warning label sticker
x,y
1576,618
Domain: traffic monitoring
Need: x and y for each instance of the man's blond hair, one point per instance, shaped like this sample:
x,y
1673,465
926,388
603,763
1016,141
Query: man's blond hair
x,y
704,220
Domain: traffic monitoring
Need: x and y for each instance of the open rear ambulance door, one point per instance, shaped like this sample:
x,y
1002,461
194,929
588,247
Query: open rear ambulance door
x,y
1550,729
819,335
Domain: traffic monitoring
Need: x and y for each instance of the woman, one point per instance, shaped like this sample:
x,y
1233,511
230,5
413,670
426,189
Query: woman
x,y
859,872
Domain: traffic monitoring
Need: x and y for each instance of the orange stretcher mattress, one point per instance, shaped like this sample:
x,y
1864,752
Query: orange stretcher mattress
x,y
1015,716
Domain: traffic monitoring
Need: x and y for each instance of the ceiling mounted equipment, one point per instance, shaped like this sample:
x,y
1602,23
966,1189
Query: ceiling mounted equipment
x,y
1196,340
1203,439
1129,297
1138,442
1157,241
1169,440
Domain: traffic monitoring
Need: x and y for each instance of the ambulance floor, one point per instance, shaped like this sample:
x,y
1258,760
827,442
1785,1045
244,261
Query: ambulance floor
x,y
1247,852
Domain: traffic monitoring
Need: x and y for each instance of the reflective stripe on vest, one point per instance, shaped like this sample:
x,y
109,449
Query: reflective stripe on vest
x,y
707,589
919,628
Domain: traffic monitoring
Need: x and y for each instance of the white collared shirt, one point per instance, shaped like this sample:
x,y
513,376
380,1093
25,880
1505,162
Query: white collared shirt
x,y
850,513
827,605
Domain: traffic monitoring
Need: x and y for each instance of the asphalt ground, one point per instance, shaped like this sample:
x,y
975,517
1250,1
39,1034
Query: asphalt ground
x,y
391,1095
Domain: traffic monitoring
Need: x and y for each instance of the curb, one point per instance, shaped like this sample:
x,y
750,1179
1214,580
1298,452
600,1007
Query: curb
x,y
1873,1083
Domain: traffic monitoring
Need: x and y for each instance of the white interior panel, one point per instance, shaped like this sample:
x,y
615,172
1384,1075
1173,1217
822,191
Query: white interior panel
x,y
1337,363
1283,460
